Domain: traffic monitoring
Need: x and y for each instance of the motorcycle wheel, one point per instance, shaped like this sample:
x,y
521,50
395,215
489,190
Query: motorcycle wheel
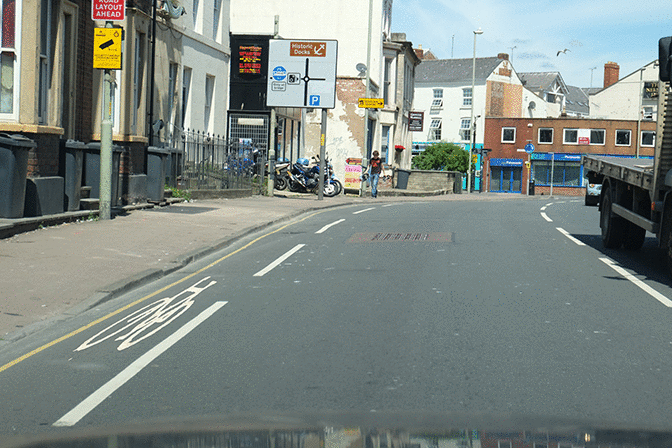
x,y
294,186
339,186
280,183
330,189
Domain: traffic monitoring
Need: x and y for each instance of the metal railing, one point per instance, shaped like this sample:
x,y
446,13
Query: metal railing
x,y
211,162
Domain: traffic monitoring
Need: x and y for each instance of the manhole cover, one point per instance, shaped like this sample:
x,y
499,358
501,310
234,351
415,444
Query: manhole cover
x,y
410,237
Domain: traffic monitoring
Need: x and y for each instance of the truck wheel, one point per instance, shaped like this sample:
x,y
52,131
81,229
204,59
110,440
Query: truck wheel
x,y
613,226
634,237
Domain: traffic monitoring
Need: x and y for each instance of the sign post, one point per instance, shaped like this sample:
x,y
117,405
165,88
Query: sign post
x,y
302,73
107,55
529,149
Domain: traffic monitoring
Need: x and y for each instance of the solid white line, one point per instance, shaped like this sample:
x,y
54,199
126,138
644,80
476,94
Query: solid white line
x,y
365,210
545,216
275,264
646,288
566,233
325,228
107,389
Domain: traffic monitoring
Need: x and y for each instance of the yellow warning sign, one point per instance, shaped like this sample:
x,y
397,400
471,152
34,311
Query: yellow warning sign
x,y
107,48
371,103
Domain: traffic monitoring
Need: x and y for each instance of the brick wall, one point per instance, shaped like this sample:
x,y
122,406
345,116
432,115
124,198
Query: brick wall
x,y
426,180
43,159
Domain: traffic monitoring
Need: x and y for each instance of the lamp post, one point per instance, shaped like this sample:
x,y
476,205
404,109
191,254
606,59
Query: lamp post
x,y
473,128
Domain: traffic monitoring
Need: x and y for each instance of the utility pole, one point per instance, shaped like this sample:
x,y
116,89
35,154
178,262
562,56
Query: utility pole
x,y
105,197
272,144
366,95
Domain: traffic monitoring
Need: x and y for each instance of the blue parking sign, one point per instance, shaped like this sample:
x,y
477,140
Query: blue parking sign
x,y
314,100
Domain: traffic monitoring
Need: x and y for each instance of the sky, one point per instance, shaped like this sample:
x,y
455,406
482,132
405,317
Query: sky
x,y
594,32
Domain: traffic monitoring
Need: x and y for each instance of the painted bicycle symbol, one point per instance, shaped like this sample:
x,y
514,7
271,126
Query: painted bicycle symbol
x,y
148,320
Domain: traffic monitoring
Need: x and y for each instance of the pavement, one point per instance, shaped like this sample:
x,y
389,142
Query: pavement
x,y
57,271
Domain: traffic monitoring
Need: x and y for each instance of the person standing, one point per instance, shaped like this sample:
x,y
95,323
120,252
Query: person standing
x,y
375,171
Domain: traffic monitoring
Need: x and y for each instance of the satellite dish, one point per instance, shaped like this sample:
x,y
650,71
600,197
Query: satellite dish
x,y
361,68
532,105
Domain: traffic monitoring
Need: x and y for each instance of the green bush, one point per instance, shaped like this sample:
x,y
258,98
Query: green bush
x,y
442,157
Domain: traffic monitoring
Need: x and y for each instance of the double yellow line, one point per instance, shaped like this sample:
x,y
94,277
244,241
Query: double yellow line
x,y
149,296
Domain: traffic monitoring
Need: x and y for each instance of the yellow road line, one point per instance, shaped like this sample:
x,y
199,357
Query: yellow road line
x,y
149,296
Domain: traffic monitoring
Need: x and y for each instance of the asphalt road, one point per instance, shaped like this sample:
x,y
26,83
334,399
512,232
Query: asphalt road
x,y
500,307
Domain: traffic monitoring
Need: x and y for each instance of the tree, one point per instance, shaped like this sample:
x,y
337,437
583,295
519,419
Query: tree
x,y
442,157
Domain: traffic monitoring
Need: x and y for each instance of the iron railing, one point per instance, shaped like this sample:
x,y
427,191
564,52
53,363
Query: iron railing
x,y
210,162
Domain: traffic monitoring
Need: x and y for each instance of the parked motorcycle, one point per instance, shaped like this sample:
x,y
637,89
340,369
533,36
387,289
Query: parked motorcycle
x,y
281,175
305,178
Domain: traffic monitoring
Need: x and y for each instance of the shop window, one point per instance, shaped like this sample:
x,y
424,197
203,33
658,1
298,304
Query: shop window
x,y
545,136
564,174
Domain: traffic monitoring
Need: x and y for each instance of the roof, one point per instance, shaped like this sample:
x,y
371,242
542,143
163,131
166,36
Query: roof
x,y
455,70
576,100
539,81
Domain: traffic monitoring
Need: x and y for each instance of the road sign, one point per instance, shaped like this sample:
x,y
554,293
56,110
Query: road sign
x,y
107,48
529,148
415,121
113,10
371,103
302,73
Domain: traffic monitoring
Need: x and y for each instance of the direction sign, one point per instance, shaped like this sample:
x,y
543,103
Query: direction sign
x,y
113,10
302,73
107,48
371,103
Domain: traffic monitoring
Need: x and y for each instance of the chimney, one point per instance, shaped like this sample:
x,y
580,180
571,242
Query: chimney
x,y
611,70
503,56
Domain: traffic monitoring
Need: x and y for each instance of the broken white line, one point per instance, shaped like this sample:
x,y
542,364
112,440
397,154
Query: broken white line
x,y
545,216
567,234
643,286
325,228
277,262
362,211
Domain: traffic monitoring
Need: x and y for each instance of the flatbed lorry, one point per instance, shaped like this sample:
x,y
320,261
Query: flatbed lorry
x,y
636,193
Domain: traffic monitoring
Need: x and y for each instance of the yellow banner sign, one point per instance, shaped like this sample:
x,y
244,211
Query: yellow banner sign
x,y
107,48
372,103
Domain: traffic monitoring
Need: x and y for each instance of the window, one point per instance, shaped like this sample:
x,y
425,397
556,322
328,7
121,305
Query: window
x,y
570,136
138,74
438,98
45,40
508,135
648,138
384,143
623,137
172,96
387,81
465,129
435,129
467,96
503,444
186,88
216,17
597,136
194,13
545,136
550,98
564,174
7,57
647,113
409,76
209,91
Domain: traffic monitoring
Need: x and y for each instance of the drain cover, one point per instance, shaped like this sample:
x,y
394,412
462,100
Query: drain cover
x,y
382,237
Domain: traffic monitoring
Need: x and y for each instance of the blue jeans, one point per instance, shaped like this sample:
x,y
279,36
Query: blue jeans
x,y
374,184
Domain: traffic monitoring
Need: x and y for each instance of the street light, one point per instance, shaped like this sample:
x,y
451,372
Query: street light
x,y
473,129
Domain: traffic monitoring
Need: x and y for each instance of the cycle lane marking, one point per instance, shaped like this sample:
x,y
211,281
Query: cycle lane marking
x,y
107,389
148,296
